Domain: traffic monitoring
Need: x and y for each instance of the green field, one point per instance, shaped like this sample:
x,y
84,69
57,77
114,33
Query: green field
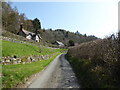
x,y
15,74
18,49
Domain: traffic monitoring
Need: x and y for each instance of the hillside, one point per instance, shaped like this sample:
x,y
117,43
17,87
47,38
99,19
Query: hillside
x,y
97,63
64,36
20,49
50,36
16,37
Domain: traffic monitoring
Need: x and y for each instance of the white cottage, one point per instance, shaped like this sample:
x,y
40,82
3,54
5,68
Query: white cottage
x,y
29,35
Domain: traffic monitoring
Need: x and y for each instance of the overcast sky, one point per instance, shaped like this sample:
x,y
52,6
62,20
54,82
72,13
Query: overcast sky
x,y
93,18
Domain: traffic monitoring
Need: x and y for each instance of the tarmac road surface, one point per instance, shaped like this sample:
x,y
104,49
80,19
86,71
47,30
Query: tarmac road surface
x,y
58,74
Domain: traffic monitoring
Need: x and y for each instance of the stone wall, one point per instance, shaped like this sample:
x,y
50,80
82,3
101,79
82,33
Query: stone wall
x,y
15,40
26,59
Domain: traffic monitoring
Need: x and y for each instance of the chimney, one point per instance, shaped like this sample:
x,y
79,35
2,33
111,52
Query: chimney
x,y
21,26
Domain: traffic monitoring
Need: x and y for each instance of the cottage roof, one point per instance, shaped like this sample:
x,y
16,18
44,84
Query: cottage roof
x,y
39,36
60,43
27,32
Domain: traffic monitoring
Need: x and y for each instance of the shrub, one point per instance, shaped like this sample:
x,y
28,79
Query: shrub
x,y
103,58
71,43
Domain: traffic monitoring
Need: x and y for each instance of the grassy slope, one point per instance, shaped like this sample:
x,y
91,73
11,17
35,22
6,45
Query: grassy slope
x,y
10,49
14,74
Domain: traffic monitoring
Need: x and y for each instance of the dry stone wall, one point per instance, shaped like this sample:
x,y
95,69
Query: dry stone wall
x,y
21,60
26,59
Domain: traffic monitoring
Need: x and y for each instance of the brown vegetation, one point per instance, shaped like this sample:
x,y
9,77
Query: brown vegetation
x,y
64,36
102,57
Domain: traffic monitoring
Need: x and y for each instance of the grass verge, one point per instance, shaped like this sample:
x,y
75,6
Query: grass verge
x,y
14,74
18,49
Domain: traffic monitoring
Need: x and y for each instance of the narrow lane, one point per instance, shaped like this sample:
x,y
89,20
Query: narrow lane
x,y
58,74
